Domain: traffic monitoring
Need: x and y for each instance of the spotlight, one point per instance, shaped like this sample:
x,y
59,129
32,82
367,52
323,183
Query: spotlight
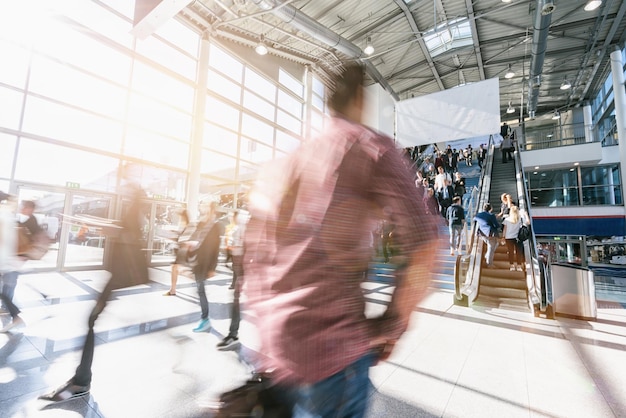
x,y
556,115
261,49
369,48
565,85
509,73
510,109
592,5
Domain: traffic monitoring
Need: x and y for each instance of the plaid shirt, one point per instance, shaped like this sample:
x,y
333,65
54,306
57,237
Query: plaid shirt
x,y
308,249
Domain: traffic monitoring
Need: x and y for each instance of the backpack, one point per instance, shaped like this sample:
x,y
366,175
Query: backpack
x,y
523,234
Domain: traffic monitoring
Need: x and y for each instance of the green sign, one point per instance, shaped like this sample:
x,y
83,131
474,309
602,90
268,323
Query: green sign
x,y
72,185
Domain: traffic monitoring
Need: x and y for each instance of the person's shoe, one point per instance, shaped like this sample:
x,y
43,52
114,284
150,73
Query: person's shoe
x,y
66,392
16,322
203,325
451,252
169,293
227,343
512,268
519,268
490,266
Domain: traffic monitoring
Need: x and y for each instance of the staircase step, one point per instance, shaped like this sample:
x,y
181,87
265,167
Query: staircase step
x,y
504,282
503,303
502,292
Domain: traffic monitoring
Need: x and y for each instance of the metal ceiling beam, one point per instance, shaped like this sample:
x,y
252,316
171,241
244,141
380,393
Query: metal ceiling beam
x,y
552,54
304,23
472,22
541,28
420,41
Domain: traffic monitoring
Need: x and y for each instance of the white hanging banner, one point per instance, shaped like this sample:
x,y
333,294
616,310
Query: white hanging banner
x,y
459,113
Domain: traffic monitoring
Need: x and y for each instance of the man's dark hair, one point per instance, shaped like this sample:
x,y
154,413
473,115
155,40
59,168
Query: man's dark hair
x,y
345,87
456,199
28,204
487,207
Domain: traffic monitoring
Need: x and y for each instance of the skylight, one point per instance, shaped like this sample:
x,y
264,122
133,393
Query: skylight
x,y
448,35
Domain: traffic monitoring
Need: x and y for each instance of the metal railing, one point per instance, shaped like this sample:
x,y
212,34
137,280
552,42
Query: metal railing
x,y
610,137
557,136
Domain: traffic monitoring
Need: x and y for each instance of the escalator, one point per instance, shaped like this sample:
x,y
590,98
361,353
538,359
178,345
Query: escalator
x,y
524,291
500,287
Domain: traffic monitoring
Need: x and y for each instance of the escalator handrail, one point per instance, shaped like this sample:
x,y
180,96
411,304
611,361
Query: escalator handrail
x,y
540,276
469,286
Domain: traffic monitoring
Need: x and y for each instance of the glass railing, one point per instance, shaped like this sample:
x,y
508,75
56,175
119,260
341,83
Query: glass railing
x,y
567,134
557,136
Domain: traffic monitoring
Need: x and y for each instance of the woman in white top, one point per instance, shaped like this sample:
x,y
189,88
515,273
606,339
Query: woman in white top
x,y
511,226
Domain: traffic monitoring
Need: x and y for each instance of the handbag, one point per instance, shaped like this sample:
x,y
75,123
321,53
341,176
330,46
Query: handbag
x,y
33,247
258,397
523,234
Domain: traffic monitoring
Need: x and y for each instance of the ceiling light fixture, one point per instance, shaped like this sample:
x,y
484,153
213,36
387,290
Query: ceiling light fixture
x,y
509,73
506,1
592,5
510,109
566,85
556,115
261,49
369,49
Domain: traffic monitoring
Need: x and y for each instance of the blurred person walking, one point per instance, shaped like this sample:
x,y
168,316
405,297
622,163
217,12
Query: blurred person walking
x,y
205,250
10,263
128,267
307,253
237,249
185,230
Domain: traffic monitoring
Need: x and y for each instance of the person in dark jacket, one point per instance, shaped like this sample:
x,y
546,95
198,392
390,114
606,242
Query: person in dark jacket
x,y
456,220
207,235
489,231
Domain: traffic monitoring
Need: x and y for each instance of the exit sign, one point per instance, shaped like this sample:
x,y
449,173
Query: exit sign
x,y
72,185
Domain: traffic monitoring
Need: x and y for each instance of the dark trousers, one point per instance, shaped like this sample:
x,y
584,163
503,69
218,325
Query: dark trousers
x,y
506,155
9,282
515,250
82,377
235,312
11,307
204,302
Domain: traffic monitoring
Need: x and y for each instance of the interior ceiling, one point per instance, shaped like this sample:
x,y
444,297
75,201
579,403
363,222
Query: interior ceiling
x,y
328,33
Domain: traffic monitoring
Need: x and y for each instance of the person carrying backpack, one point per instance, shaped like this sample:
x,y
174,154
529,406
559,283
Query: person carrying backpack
x,y
456,219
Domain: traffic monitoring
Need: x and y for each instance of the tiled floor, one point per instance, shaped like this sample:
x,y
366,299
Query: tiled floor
x,y
453,362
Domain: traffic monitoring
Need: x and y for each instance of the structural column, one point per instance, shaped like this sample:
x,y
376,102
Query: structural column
x,y
619,92
588,122
197,131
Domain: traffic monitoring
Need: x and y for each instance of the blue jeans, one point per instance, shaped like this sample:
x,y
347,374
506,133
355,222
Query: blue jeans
x,y
492,244
344,394
9,282
204,302
455,236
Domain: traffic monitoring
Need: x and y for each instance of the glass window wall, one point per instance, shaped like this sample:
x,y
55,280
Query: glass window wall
x,y
599,185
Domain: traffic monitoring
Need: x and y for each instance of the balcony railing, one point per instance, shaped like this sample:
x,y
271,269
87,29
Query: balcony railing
x,y
558,136
567,134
